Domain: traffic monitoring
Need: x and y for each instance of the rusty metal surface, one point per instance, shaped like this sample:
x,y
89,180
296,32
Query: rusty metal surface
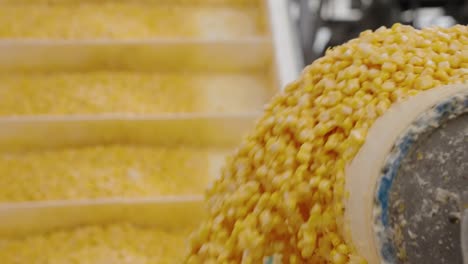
x,y
425,209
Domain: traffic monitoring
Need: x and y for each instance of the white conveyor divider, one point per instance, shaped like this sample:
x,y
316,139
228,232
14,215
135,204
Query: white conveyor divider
x,y
289,61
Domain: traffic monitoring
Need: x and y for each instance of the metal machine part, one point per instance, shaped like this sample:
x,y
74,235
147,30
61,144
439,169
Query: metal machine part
x,y
327,23
425,198
406,182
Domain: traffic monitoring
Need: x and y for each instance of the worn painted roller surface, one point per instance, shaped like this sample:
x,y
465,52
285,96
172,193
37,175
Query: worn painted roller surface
x,y
425,206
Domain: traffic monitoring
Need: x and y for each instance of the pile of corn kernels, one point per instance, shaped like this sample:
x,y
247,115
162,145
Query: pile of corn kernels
x,y
124,171
124,20
102,171
281,194
121,243
129,92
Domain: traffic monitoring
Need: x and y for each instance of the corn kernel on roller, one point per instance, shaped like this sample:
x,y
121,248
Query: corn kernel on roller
x,y
415,160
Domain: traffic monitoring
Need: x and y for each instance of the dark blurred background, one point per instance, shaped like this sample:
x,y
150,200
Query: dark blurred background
x,y
325,23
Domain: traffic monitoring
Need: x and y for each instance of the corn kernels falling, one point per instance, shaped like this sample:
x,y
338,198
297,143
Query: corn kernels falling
x,y
363,77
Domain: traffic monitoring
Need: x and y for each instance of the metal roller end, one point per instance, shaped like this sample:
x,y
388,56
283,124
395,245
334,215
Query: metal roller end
x,y
425,213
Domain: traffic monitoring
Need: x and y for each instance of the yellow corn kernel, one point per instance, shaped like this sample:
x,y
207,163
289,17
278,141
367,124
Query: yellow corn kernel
x,y
316,209
314,181
382,106
294,259
305,152
334,239
358,135
309,244
388,86
389,67
424,82
399,76
324,185
398,95
441,75
332,98
333,141
323,128
416,61
338,258
343,249
351,86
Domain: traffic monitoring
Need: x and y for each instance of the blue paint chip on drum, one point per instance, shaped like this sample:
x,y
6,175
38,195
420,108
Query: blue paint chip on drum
x,y
269,260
